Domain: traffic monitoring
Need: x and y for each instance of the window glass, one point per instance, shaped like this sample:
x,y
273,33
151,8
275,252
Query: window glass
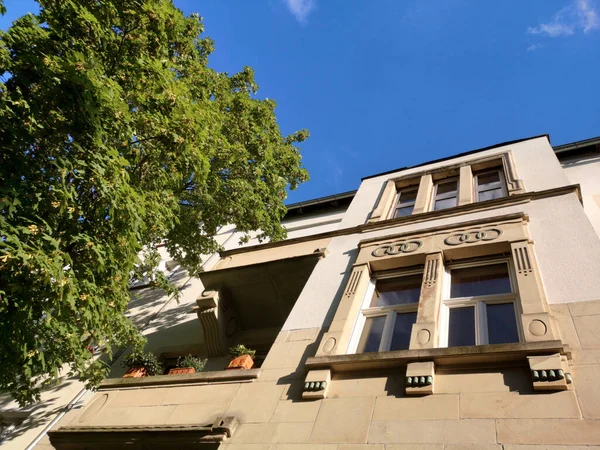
x,y
446,187
491,194
402,331
461,326
483,280
445,203
488,179
405,211
397,291
407,197
371,337
502,325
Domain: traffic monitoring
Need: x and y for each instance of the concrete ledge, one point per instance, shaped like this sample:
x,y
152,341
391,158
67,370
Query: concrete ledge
x,y
452,356
190,378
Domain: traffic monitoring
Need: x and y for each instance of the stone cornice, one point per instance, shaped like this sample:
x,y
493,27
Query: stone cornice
x,y
496,354
192,378
417,218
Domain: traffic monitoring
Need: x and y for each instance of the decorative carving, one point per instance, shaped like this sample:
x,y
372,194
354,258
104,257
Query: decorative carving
x,y
423,336
419,381
353,283
315,386
329,345
420,378
397,248
523,261
549,372
431,271
473,236
537,327
513,183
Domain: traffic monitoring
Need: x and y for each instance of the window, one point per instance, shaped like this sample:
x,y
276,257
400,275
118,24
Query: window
x,y
405,203
389,312
479,305
445,194
489,185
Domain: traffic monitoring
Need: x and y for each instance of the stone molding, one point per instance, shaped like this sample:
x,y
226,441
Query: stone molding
x,y
185,379
417,218
467,356
464,169
70,437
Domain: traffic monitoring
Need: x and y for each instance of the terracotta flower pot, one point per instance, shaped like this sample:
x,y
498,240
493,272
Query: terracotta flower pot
x,y
241,362
135,372
181,370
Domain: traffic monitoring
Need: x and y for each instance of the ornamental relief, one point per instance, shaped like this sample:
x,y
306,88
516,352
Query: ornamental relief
x,y
397,248
446,241
471,237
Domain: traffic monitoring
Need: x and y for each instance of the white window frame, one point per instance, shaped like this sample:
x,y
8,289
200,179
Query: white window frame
x,y
498,184
377,311
479,302
398,197
445,196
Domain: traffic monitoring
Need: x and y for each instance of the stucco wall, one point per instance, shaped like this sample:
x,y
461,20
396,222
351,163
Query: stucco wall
x,y
535,164
586,172
493,408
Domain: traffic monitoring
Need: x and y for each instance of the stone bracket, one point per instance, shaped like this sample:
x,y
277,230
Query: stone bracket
x,y
219,321
550,373
420,378
316,384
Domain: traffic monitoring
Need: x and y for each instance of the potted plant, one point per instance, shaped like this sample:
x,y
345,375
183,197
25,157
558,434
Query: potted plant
x,y
188,364
141,364
241,357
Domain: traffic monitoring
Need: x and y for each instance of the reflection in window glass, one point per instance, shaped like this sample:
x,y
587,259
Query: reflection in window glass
x,y
397,291
482,280
488,179
502,325
491,194
461,326
405,211
406,203
445,203
402,331
371,337
446,188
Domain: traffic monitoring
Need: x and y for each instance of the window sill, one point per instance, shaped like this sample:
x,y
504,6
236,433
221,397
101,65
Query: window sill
x,y
452,356
191,378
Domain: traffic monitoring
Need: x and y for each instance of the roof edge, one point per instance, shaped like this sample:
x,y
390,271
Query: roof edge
x,y
470,152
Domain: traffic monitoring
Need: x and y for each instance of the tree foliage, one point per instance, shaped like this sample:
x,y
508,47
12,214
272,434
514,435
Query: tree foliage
x,y
116,135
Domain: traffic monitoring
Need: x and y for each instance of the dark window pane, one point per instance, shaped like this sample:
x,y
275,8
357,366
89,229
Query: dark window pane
x,y
461,326
397,291
448,186
502,325
407,197
491,194
371,337
488,178
482,280
445,203
406,211
402,330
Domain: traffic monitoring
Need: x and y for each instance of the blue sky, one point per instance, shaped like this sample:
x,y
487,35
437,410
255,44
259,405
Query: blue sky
x,y
389,83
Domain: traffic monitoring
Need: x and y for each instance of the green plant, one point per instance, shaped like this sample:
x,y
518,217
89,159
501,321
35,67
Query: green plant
x,y
116,134
240,350
191,361
147,360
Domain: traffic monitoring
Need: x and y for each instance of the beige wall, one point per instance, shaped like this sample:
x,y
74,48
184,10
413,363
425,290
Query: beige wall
x,y
585,171
473,408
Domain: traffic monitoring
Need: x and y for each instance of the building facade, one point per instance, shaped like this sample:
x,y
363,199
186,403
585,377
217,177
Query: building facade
x,y
450,305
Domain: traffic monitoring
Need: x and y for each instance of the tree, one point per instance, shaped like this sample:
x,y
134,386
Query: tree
x,y
116,135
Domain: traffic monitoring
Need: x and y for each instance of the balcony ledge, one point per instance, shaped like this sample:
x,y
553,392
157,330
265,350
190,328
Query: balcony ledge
x,y
452,356
191,378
